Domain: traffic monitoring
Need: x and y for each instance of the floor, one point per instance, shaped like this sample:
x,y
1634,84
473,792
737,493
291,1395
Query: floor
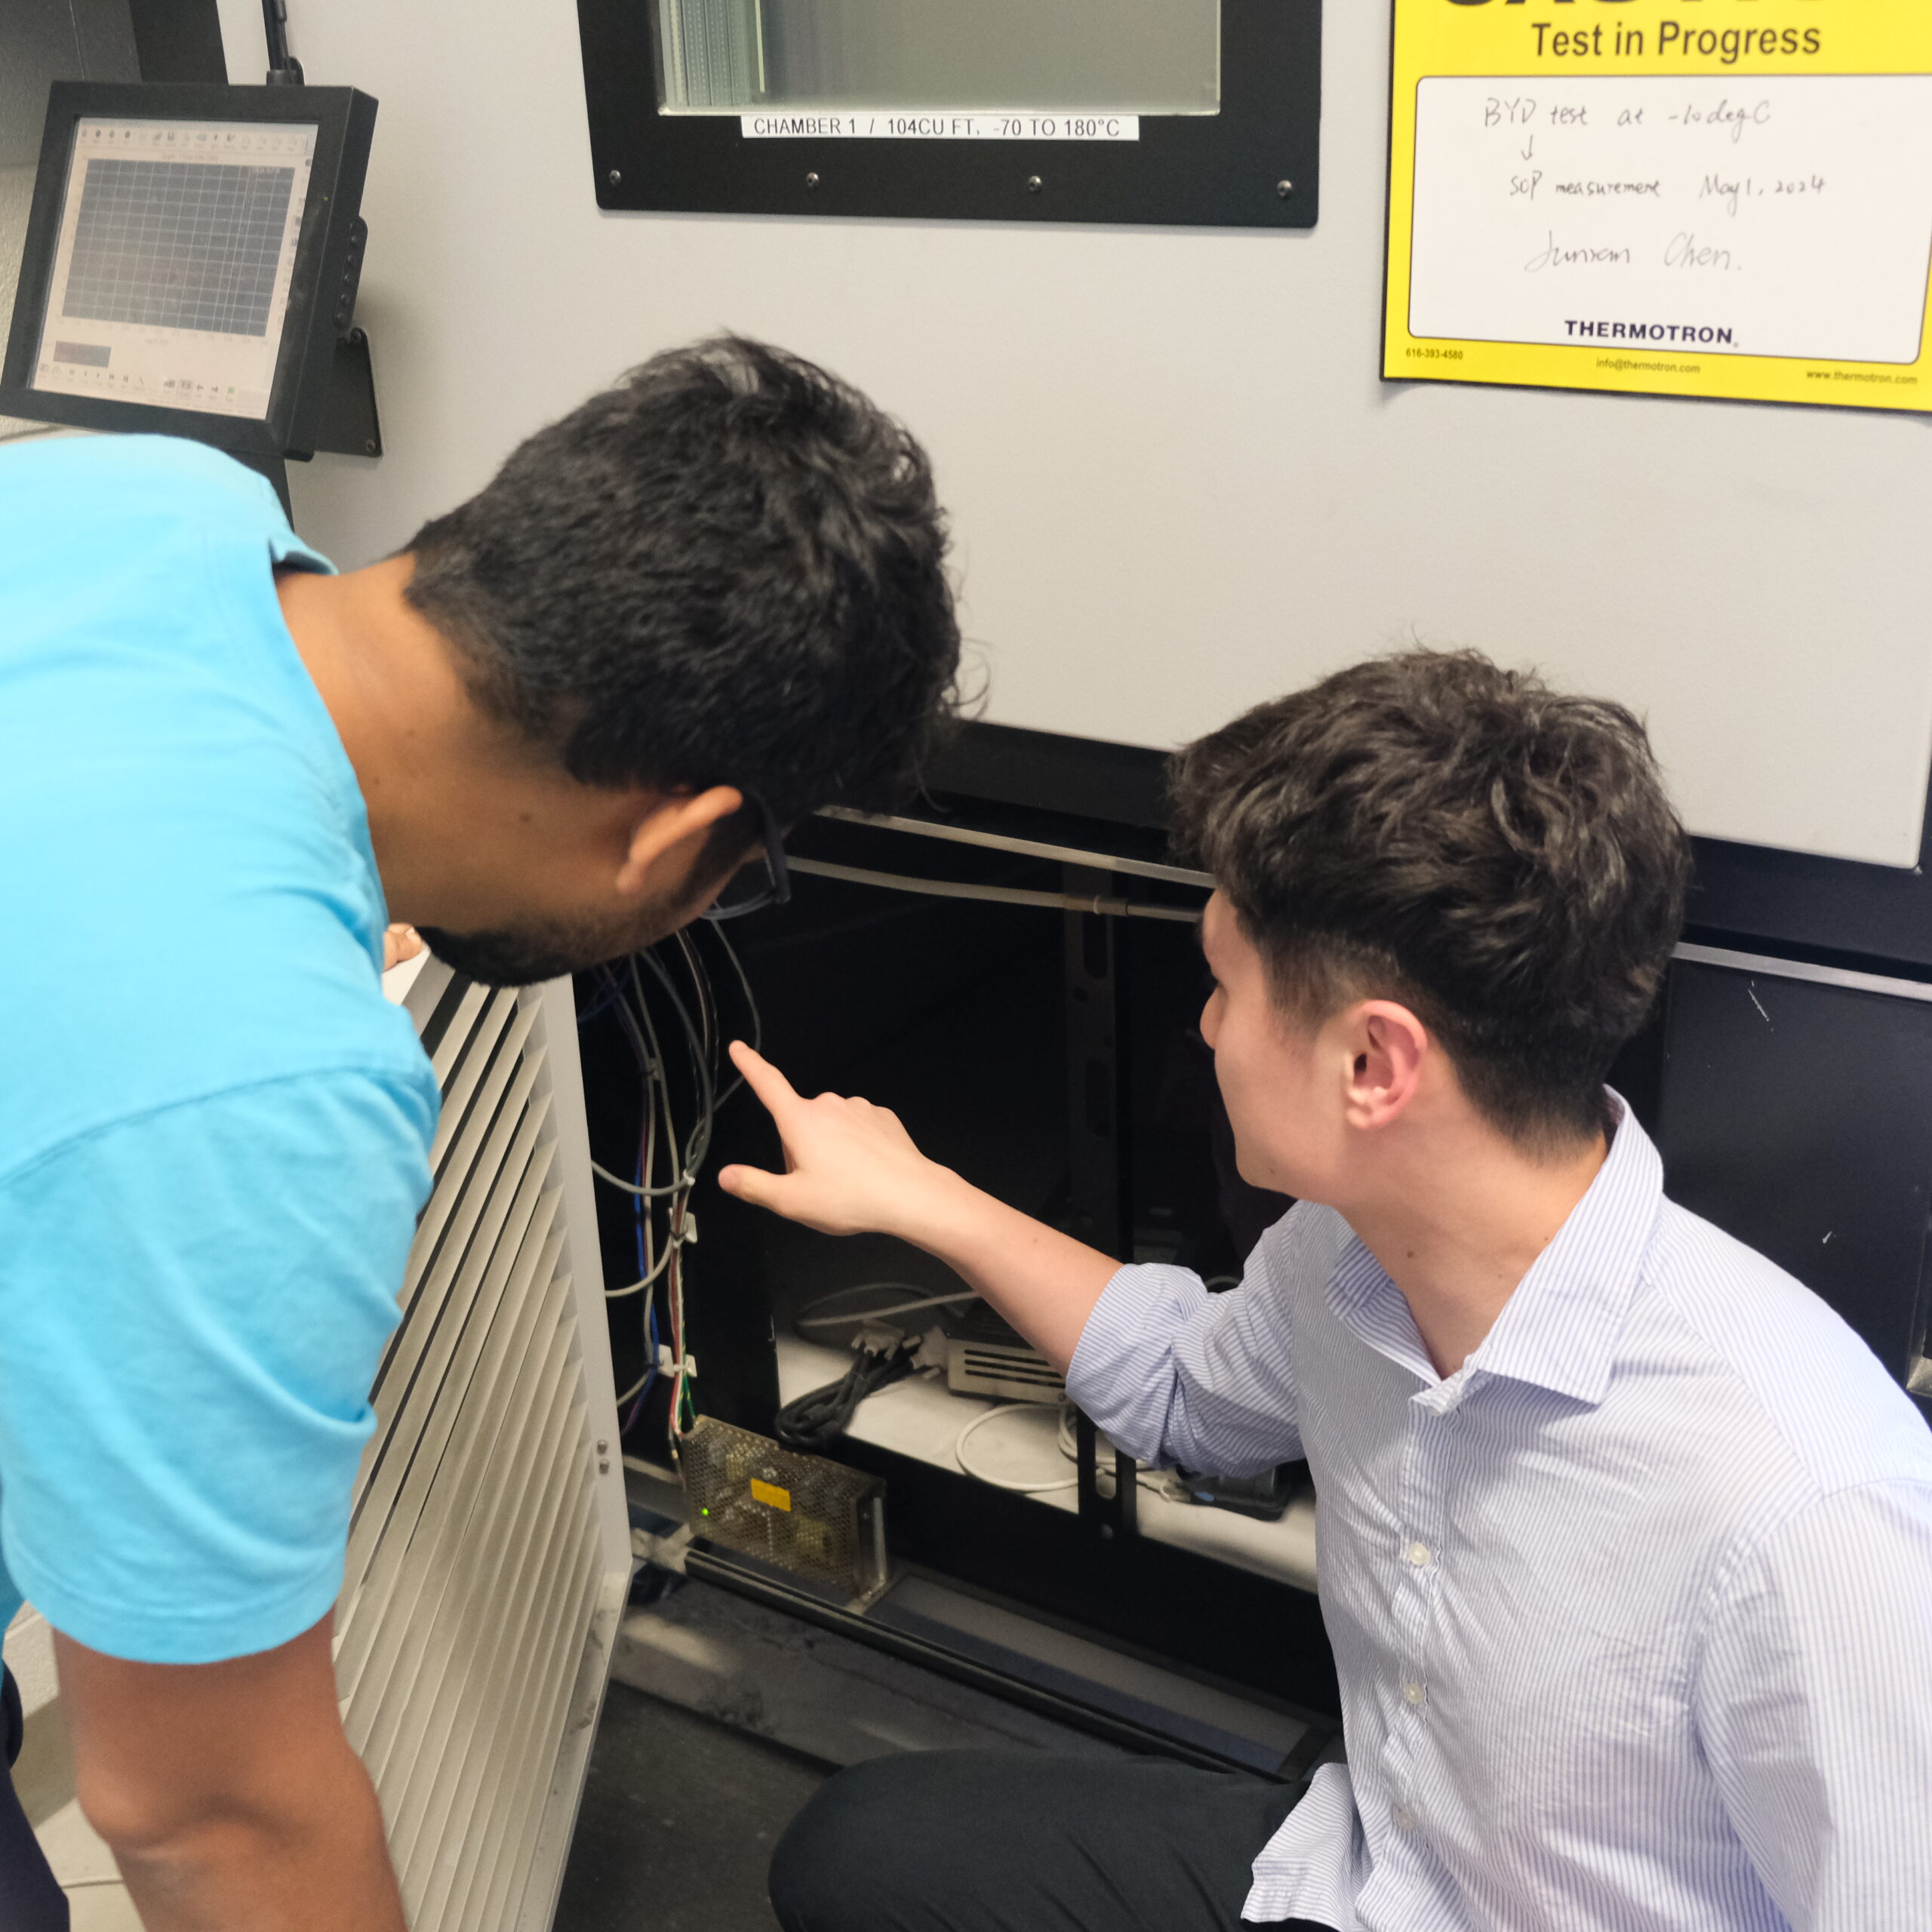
x,y
679,1818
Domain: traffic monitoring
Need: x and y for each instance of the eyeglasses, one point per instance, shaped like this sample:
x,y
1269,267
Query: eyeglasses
x,y
764,881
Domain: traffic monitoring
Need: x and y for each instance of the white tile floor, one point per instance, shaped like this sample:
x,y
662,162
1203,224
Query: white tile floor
x,y
97,1899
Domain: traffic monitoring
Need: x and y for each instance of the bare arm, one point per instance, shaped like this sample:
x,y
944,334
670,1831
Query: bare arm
x,y
851,1168
228,1792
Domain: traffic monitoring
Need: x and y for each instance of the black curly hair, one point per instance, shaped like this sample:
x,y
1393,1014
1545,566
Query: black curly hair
x,y
1427,827
729,569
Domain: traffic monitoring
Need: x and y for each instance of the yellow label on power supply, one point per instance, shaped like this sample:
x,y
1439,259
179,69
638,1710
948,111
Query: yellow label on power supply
x,y
1705,197
771,1495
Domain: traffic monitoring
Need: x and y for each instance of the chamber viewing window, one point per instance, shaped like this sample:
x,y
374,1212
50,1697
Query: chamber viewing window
x,y
1121,57
1185,113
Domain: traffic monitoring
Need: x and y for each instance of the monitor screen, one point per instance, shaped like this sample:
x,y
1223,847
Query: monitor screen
x,y
171,272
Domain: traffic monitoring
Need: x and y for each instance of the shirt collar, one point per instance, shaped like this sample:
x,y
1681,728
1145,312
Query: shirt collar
x,y
1558,1330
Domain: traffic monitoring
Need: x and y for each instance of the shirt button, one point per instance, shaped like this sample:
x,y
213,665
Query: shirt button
x,y
1418,1554
1413,1692
1405,1819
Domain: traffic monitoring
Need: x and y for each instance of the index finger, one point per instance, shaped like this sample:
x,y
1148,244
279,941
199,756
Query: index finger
x,y
763,1079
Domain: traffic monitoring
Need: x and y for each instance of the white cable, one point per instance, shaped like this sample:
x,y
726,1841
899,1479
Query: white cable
x,y
806,1319
677,1186
1002,895
673,1243
998,1482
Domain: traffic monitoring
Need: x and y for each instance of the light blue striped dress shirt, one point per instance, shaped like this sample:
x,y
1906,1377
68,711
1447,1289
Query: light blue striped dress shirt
x,y
1632,1613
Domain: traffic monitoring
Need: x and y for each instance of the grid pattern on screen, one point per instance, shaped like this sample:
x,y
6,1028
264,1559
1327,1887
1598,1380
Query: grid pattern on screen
x,y
183,245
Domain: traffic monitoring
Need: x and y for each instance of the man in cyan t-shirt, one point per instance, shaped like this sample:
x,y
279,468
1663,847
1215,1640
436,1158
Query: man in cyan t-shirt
x,y
547,734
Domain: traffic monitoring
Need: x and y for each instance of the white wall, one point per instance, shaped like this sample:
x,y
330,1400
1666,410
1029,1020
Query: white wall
x,y
1178,485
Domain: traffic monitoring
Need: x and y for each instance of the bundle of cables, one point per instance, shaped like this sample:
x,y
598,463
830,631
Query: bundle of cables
x,y
882,1354
881,1357
637,993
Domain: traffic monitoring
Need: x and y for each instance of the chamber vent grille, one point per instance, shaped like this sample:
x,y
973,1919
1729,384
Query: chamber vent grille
x,y
475,1569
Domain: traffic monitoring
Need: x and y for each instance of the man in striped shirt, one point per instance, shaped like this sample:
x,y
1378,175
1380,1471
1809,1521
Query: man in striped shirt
x,y
1626,1539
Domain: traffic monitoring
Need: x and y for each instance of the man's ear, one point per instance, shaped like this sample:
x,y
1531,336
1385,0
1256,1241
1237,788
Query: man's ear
x,y
665,842
1387,1046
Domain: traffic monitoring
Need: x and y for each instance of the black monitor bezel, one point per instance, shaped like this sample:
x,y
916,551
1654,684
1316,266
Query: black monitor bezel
x,y
344,122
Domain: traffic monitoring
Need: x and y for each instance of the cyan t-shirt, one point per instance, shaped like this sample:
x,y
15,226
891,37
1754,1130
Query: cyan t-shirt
x,y
214,1129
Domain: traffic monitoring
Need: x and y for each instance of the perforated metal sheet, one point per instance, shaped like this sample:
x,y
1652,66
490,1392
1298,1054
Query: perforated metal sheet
x,y
820,1521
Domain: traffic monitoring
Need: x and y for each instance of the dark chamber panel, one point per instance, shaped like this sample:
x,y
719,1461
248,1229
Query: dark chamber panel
x,y
1797,1116
45,41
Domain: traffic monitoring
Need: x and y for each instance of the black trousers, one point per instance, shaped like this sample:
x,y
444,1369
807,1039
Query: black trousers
x,y
30,1899
1025,1841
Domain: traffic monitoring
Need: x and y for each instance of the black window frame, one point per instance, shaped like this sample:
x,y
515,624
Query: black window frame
x,y
1257,164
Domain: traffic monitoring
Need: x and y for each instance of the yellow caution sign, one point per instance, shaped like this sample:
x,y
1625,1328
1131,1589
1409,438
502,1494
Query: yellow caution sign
x,y
1709,197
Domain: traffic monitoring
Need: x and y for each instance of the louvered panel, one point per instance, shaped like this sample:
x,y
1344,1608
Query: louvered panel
x,y
495,1334
456,1034
492,1410
488,1550
489,1478
457,1824
466,1247
423,1417
455,1832
452,1417
476,1898
417,1411
414,1380
529,1764
458,1827
447,1193
424,1306
434,1811
502,1029
484,1501
453,1201
488,1473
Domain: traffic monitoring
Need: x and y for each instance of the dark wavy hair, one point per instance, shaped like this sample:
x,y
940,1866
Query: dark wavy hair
x,y
729,569
1426,827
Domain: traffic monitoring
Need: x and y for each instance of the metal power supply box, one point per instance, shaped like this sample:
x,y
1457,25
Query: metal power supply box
x,y
816,1520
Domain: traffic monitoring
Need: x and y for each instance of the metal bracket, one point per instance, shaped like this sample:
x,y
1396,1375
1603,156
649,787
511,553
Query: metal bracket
x,y
1113,1513
350,426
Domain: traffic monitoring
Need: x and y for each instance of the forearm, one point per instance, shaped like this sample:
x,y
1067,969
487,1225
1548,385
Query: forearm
x,y
852,1168
1044,1282
317,1863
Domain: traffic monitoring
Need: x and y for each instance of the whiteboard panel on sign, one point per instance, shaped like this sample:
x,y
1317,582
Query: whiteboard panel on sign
x,y
1775,216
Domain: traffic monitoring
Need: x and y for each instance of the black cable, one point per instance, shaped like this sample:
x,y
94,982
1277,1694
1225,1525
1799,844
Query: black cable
x,y
751,1007
814,1421
284,70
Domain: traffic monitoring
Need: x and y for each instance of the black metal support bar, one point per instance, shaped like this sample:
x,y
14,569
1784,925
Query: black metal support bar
x,y
1100,1197
1095,1071
711,1566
